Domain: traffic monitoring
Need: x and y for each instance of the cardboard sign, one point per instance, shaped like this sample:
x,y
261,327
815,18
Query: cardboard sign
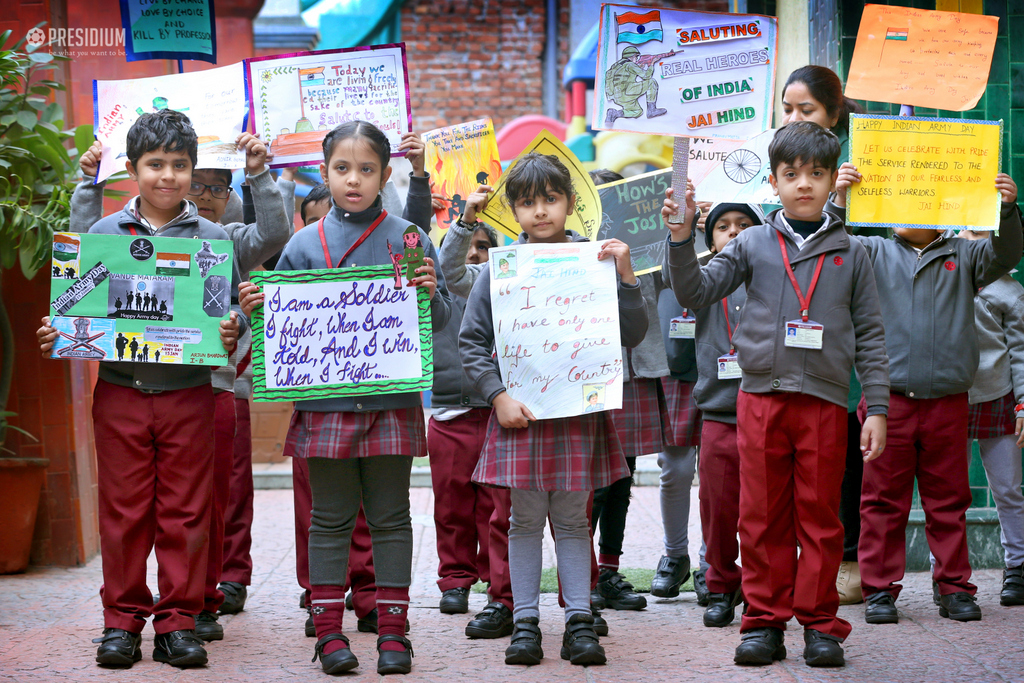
x,y
732,170
684,73
140,299
922,57
298,98
460,158
586,213
556,327
169,29
924,173
339,332
632,213
215,101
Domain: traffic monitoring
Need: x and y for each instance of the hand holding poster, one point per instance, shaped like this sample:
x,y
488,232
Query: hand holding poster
x,y
298,98
658,69
924,173
339,332
632,214
556,316
460,158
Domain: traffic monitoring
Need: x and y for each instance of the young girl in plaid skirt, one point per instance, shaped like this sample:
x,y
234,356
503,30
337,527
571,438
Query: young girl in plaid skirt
x,y
359,449
551,466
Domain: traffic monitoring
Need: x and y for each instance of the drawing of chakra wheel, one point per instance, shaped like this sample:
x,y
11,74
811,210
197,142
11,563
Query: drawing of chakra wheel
x,y
741,166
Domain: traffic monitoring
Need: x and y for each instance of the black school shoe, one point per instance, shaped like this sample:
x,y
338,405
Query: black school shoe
x,y
959,606
394,661
368,624
618,593
234,597
494,621
454,601
525,646
338,661
700,587
600,625
580,644
822,649
880,608
207,627
721,609
597,600
118,648
1013,587
179,648
671,574
760,647
310,626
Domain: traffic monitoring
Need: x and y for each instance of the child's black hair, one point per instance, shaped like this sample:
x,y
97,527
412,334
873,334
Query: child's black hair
x,y
222,173
316,195
359,129
806,141
825,86
166,130
603,176
533,175
492,234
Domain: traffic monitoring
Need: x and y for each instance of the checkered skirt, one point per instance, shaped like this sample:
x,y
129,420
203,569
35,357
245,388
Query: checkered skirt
x,y
564,454
991,419
642,424
683,413
401,431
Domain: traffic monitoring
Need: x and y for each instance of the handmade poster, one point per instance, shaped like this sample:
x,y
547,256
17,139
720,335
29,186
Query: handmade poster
x,y
556,327
632,213
684,73
140,299
339,332
460,158
296,99
214,100
169,29
924,172
731,170
586,212
922,57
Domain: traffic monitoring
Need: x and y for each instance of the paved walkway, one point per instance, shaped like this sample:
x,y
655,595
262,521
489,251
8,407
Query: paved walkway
x,y
48,616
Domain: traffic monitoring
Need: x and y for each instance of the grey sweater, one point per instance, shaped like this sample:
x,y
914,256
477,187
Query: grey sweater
x,y
715,397
999,313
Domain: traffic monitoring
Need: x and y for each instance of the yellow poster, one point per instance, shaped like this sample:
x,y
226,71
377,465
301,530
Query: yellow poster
x,y
924,173
586,214
460,158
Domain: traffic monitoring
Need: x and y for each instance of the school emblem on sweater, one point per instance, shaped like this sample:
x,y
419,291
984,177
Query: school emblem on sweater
x,y
949,265
838,260
206,259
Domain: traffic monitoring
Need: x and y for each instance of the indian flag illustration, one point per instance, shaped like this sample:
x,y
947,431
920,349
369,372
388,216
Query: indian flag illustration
x,y
313,76
637,29
896,34
172,264
65,247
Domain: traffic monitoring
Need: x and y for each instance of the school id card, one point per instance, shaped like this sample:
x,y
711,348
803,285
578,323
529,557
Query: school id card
x,y
804,335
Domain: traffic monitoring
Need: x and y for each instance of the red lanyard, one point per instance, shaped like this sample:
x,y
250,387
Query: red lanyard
x,y
805,302
132,229
366,233
728,328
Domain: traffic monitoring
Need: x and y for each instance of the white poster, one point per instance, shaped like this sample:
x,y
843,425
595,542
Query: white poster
x,y
732,171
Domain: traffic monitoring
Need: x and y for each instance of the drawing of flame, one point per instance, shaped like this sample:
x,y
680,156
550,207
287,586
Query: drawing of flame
x,y
456,171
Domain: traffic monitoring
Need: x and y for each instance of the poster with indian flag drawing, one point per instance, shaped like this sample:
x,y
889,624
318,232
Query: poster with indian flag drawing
x,y
460,158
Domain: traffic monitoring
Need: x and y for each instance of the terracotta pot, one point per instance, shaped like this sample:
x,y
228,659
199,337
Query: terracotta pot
x,y
21,481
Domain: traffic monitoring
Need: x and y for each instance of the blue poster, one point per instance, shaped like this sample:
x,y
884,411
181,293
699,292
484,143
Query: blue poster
x,y
169,29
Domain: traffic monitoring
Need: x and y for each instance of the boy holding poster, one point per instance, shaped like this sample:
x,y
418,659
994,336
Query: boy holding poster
x,y
156,460
811,312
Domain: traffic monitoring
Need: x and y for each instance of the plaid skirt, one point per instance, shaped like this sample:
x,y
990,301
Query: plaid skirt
x,y
357,435
683,413
992,419
579,453
642,424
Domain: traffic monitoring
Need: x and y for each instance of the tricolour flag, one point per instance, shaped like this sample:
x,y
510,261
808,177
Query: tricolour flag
x,y
172,264
896,34
637,29
65,247
312,76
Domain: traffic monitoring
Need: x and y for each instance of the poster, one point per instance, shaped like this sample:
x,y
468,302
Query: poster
x,y
169,29
924,172
684,73
214,100
460,158
586,213
925,58
732,170
296,99
140,299
632,213
556,315
339,332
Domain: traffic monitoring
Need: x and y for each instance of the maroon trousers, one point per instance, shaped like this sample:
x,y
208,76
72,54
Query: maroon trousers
x,y
223,457
719,465
155,485
792,457
927,439
238,513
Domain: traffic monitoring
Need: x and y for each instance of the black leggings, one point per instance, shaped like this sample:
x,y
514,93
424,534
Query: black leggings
x,y
849,502
611,504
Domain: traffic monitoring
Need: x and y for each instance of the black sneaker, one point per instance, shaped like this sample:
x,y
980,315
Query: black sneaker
x,y
368,624
880,608
118,648
597,600
821,649
310,626
494,621
525,646
700,587
671,573
207,627
179,648
936,598
234,597
580,644
760,647
454,601
618,593
342,659
1013,587
721,609
600,625
960,606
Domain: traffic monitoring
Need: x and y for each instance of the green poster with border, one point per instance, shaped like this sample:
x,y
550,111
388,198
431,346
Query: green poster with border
x,y
339,332
143,299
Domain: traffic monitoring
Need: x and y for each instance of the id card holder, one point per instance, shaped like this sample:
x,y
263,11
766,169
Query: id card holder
x,y
804,335
682,328
729,367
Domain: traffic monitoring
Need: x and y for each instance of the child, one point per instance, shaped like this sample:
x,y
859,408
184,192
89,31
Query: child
x,y
535,460
166,438
359,448
927,283
800,267
316,205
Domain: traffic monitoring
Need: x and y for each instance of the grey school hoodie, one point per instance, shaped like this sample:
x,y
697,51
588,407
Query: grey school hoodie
x,y
999,313
845,303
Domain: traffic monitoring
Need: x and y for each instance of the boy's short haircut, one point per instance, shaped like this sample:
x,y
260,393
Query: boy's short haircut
x,y
222,173
533,175
807,142
166,130
316,195
492,234
602,176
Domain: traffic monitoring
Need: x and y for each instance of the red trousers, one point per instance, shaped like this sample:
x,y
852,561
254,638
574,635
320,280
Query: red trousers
x,y
361,579
155,484
223,458
238,513
927,439
792,457
720,504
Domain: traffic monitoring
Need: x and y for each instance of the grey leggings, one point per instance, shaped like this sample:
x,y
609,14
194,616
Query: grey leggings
x,y
381,484
530,511
677,465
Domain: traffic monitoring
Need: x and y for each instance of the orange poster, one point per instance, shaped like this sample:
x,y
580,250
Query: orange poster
x,y
924,58
460,158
